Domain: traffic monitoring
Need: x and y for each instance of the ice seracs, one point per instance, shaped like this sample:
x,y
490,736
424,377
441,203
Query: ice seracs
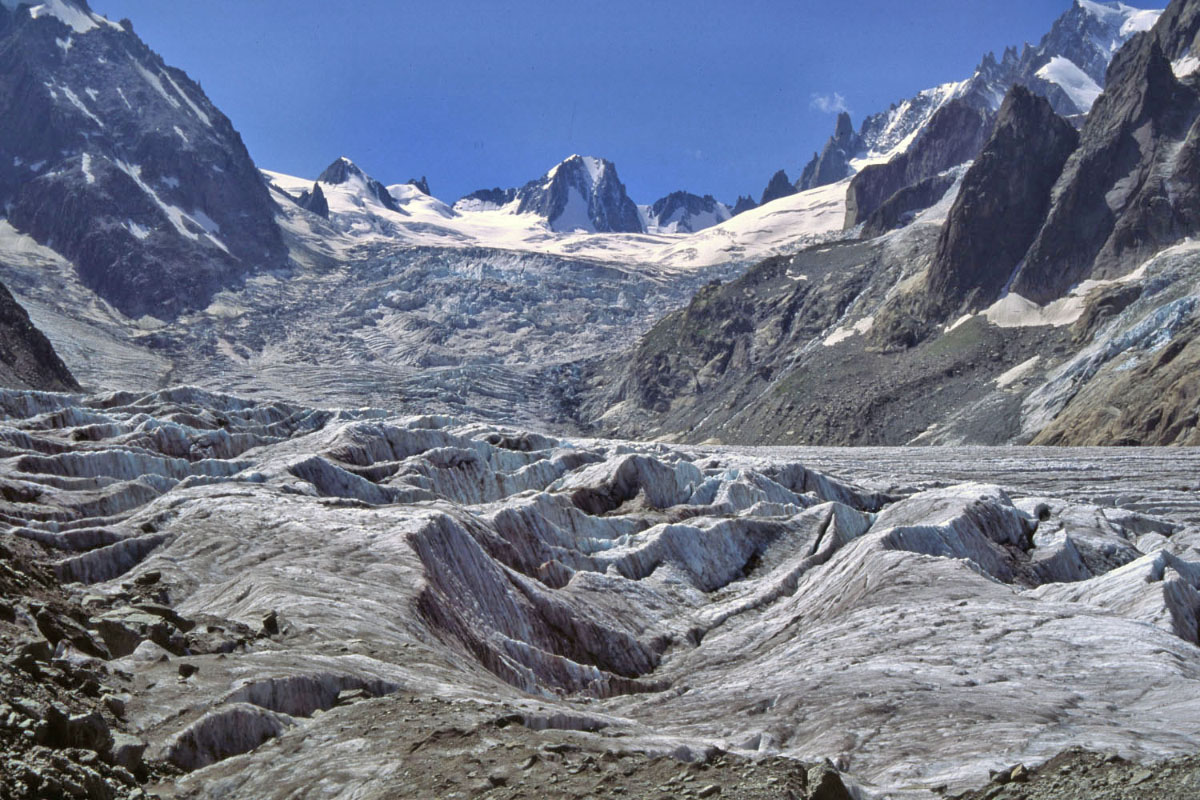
x,y
660,599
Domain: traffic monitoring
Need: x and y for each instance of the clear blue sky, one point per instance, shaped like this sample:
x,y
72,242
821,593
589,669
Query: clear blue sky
x,y
706,96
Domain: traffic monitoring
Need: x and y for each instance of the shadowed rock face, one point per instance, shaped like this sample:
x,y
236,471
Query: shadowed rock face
x,y
1001,204
1131,188
833,163
27,359
779,186
955,134
122,164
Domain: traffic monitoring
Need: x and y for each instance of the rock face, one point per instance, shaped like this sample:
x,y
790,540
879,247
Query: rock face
x,y
315,201
581,193
833,162
954,134
779,186
744,203
27,359
421,184
684,212
1001,204
1067,67
1131,189
123,165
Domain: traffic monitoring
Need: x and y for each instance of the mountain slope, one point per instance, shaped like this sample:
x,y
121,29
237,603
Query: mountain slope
x,y
1067,67
27,359
1067,255
122,164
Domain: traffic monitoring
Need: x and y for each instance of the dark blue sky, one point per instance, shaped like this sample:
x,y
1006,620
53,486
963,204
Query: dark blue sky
x,y
706,96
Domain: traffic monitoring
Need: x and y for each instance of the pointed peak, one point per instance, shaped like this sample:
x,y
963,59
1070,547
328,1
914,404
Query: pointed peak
x,y
340,171
591,166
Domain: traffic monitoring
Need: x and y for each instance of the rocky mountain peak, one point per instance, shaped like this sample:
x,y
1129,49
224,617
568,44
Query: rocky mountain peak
x,y
833,163
421,183
779,186
581,193
1131,188
744,203
1002,202
684,212
122,164
344,172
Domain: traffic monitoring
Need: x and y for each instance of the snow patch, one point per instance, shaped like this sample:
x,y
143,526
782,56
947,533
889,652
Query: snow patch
x,y
574,216
67,13
86,164
195,108
174,214
74,100
154,82
1063,72
186,142
1139,21
140,231
862,327
1185,66
1008,378
64,45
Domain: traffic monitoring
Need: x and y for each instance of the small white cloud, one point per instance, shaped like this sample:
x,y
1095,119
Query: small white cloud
x,y
829,103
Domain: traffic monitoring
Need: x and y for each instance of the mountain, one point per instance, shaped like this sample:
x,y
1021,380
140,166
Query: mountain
x,y
833,163
581,193
123,165
1001,204
744,203
1067,67
1043,290
345,174
779,186
684,212
27,359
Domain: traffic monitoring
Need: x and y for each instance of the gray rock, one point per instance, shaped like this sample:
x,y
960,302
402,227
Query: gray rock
x,y
1001,204
127,751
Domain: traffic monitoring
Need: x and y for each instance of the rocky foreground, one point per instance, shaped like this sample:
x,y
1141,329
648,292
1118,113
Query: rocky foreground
x,y
212,597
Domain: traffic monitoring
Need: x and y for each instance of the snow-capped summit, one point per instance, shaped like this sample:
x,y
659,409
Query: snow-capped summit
x,y
581,193
346,174
684,212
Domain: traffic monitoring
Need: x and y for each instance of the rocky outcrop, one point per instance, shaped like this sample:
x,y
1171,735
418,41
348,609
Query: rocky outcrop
x,y
27,359
121,164
954,134
902,207
779,186
421,183
1130,188
1001,204
315,201
833,162
744,203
